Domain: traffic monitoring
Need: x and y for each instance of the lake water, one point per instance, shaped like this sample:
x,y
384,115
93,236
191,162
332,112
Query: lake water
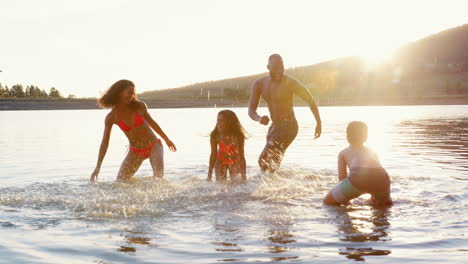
x,y
51,213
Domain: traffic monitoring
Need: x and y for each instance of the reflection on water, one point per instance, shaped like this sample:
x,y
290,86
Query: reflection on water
x,y
228,236
230,231
279,235
45,193
133,238
449,135
364,224
126,249
226,247
281,238
358,253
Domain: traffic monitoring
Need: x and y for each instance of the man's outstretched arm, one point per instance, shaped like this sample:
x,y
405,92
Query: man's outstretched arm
x,y
253,105
305,95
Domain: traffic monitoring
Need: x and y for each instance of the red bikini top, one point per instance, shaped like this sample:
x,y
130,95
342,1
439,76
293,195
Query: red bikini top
x,y
228,154
138,121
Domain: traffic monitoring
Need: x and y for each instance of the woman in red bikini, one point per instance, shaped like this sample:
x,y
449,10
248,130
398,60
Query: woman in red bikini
x,y
227,149
133,118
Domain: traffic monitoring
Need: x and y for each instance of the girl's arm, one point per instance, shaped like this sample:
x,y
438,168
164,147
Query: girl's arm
x,y
104,144
214,149
342,173
243,164
156,127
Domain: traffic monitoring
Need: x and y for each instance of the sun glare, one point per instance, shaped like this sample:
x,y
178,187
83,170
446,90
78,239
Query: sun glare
x,y
360,222
380,139
376,57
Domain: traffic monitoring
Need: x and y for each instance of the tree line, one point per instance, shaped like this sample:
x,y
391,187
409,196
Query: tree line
x,y
30,91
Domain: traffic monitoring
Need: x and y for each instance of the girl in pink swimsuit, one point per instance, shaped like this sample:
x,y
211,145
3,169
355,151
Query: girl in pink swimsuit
x,y
227,149
132,116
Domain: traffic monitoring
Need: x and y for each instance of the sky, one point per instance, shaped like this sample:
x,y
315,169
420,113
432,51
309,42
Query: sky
x,y
83,47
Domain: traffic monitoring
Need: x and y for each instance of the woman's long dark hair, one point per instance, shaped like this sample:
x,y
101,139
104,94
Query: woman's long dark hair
x,y
111,96
234,126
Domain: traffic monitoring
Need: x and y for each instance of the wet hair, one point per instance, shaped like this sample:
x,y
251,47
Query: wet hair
x,y
111,96
233,124
356,132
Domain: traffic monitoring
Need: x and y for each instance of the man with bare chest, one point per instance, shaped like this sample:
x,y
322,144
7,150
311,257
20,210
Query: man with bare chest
x,y
278,91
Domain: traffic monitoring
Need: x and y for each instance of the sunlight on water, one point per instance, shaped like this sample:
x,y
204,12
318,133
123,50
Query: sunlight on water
x,y
50,213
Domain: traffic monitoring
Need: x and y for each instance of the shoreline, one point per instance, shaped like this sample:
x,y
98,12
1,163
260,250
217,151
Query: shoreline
x,y
82,104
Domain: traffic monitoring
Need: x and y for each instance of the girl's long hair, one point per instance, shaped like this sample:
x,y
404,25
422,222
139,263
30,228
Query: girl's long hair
x,y
111,96
234,126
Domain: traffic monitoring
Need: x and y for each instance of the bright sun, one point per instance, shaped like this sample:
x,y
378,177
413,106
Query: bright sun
x,y
376,57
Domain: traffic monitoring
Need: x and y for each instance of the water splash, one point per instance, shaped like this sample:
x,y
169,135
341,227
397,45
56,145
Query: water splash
x,y
146,196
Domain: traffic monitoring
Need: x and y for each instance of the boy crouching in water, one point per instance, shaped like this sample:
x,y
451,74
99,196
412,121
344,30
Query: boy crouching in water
x,y
366,174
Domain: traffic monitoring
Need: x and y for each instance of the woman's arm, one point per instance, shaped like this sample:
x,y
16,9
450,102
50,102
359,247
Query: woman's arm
x,y
156,127
214,149
342,173
104,144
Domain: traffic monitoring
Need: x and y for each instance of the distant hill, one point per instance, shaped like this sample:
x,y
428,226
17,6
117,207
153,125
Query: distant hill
x,y
433,67
448,46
